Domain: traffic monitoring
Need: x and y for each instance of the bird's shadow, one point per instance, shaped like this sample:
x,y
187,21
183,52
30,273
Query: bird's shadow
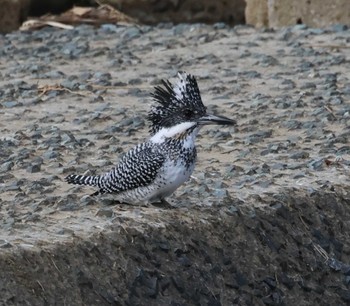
x,y
162,204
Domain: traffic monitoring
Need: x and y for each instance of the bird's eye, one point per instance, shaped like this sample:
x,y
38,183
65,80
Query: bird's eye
x,y
188,113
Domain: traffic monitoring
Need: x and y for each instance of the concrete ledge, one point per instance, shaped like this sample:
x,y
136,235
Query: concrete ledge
x,y
184,257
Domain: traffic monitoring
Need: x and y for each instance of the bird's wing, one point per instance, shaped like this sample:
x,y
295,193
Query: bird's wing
x,y
138,168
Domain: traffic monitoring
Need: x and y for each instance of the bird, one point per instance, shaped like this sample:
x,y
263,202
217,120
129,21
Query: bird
x,y
151,171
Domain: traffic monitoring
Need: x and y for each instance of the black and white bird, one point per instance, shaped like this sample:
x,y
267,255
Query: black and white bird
x,y
153,170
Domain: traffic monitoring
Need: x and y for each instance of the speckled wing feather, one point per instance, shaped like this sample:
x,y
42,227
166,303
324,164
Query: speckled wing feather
x,y
138,168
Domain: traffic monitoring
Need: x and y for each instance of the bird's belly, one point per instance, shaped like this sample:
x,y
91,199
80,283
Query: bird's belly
x,y
174,175
168,180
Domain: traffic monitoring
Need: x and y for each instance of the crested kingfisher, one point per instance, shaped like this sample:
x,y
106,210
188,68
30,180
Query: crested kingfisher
x,y
153,170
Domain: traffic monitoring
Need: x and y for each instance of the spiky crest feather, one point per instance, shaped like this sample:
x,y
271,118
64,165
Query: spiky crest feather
x,y
177,103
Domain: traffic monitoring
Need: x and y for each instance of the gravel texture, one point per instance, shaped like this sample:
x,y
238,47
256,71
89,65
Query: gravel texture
x,y
268,200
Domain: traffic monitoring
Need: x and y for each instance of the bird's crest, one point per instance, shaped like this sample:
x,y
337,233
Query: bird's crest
x,y
176,103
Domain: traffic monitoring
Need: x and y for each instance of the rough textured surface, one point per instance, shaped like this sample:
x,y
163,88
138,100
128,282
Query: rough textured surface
x,y
314,13
264,220
12,14
256,13
289,254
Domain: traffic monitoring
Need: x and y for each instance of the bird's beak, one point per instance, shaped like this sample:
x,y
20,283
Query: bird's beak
x,y
211,119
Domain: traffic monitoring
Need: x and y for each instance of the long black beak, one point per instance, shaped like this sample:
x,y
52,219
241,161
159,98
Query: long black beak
x,y
212,119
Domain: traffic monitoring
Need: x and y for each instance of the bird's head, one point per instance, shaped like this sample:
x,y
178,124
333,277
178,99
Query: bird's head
x,y
179,107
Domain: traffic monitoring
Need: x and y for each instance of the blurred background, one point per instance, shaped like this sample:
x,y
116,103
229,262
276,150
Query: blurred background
x,y
259,13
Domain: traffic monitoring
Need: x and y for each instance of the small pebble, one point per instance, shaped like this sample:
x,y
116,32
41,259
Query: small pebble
x,y
105,212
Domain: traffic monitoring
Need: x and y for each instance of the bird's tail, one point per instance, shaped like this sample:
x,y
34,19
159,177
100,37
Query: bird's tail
x,y
90,180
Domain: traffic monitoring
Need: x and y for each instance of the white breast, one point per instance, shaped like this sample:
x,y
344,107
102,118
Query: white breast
x,y
174,174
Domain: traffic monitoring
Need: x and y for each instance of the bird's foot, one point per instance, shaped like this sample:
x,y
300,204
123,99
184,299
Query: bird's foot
x,y
163,204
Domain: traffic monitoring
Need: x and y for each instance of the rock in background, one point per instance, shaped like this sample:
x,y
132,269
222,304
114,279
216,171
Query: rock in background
x,y
314,13
12,14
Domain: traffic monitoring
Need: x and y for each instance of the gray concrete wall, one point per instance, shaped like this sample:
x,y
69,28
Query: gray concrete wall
x,y
314,13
